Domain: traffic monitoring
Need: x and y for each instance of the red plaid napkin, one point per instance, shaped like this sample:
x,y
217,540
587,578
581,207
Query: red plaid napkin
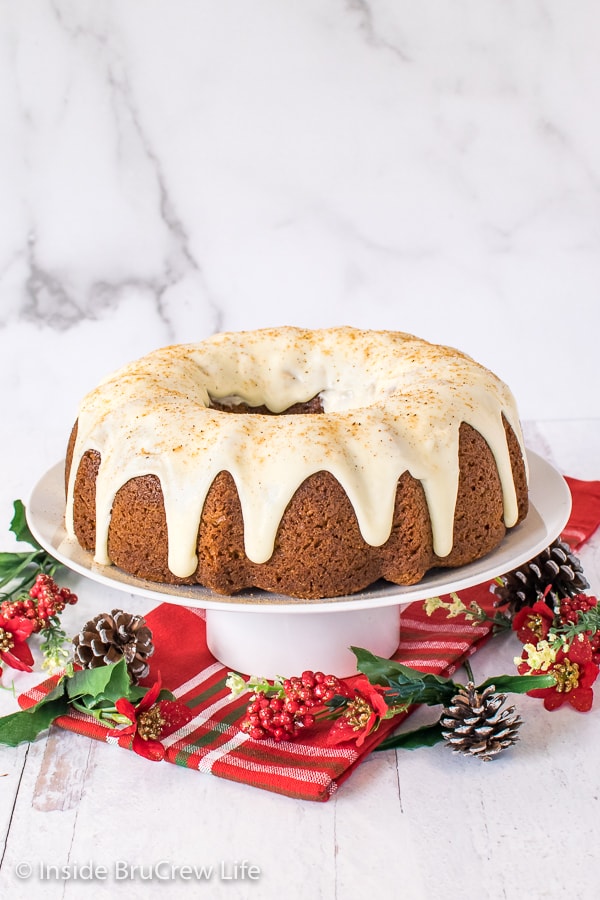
x,y
585,516
307,769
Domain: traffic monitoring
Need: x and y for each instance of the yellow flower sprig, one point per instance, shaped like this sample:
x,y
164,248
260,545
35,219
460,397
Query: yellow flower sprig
x,y
473,613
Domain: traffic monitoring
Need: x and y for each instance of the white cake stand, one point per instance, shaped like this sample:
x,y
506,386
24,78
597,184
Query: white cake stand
x,y
256,632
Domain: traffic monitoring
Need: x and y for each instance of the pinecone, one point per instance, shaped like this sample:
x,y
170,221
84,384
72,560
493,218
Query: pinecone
x,y
556,566
474,725
108,638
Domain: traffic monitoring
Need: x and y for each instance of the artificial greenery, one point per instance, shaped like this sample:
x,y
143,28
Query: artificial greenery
x,y
406,686
92,691
19,569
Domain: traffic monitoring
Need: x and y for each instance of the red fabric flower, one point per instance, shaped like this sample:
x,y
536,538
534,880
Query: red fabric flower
x,y
14,649
532,623
575,673
361,715
151,721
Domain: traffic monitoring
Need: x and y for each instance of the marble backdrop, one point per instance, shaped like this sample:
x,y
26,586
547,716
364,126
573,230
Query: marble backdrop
x,y
169,168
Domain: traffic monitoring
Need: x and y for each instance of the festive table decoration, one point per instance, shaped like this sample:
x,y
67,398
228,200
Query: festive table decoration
x,y
14,649
557,623
470,721
155,717
109,694
109,638
556,573
200,723
476,725
563,640
559,626
31,601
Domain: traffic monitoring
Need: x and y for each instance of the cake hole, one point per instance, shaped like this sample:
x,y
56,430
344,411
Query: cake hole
x,y
307,408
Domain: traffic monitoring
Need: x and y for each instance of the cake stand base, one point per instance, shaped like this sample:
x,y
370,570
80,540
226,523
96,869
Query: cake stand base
x,y
277,644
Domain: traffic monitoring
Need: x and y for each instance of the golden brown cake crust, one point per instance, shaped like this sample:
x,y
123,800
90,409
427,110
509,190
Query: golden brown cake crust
x,y
319,551
308,463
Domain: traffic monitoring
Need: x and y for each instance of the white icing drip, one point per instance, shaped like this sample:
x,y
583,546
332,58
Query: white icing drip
x,y
393,403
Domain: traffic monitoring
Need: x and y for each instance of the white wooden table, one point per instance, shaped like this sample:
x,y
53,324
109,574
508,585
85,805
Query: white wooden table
x,y
423,824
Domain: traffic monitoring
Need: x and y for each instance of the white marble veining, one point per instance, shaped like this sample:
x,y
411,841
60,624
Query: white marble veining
x,y
172,169
190,167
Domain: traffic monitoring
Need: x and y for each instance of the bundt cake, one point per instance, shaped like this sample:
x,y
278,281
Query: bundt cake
x,y
307,463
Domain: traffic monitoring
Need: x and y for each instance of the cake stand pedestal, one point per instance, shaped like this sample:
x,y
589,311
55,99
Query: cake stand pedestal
x,y
278,644
257,633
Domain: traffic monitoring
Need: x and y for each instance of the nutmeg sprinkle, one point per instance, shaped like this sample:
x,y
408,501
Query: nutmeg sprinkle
x,y
392,402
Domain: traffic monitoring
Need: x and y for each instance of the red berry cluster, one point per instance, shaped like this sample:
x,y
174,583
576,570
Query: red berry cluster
x,y
46,600
283,715
569,613
570,607
595,642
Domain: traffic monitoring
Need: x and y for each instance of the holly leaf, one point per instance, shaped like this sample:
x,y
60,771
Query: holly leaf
x,y
10,561
99,689
110,682
405,685
425,736
380,670
19,526
518,684
18,567
26,724
93,691
19,570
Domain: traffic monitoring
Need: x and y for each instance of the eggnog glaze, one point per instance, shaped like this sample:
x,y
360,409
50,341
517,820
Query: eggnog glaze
x,y
392,403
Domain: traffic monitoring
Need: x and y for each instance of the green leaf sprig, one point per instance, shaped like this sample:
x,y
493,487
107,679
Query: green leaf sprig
x,y
407,687
588,622
19,569
91,691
